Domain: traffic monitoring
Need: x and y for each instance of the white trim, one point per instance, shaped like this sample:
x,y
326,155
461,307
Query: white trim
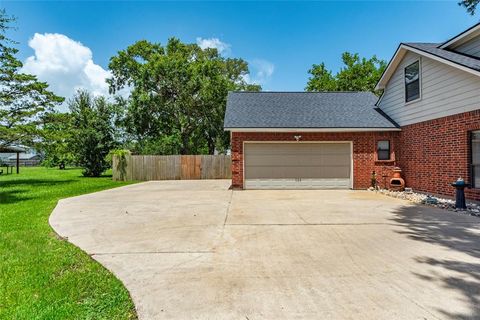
x,y
310,129
377,104
462,37
282,142
391,67
352,177
401,50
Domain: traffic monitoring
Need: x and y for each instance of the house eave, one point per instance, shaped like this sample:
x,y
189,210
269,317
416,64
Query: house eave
x,y
311,129
462,37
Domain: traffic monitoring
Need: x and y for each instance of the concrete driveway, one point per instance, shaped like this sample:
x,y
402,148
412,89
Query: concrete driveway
x,y
196,250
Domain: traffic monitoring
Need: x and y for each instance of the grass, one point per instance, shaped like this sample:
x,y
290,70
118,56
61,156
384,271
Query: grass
x,y
42,276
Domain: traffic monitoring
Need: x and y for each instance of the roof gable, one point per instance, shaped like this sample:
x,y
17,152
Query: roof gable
x,y
433,51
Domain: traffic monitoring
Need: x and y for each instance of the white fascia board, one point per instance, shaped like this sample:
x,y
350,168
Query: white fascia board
x,y
391,67
310,129
462,37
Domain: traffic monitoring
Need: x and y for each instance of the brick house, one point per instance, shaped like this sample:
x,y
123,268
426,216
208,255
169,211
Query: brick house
x,y
427,122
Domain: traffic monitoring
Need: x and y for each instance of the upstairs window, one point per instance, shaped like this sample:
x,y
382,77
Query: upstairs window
x,y
383,150
475,165
412,82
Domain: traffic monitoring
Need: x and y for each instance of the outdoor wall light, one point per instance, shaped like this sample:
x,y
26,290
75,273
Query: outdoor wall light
x,y
297,138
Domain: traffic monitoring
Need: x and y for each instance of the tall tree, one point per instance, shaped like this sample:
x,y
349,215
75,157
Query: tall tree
x,y
24,100
56,134
92,135
321,79
178,94
357,74
470,5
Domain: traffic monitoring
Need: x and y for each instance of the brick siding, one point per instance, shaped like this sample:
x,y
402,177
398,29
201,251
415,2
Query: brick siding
x,y
435,153
432,154
364,152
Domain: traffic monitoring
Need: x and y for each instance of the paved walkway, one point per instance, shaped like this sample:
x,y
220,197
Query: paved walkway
x,y
196,250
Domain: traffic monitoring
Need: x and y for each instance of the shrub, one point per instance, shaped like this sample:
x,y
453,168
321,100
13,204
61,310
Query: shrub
x,y
92,137
121,167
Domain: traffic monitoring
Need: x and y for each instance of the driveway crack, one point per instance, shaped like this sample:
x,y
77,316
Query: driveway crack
x,y
228,209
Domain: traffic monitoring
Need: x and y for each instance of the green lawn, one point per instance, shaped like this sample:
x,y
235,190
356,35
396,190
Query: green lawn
x,y
41,276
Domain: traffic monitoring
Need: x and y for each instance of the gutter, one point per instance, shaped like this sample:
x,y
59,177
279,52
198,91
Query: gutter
x,y
311,129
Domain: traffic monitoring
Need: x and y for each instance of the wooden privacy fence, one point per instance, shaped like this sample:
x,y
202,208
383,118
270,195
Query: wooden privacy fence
x,y
176,167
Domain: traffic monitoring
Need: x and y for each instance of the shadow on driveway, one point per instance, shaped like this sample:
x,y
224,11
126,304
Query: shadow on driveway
x,y
455,232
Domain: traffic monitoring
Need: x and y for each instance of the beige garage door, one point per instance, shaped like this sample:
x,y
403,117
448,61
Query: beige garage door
x,y
297,165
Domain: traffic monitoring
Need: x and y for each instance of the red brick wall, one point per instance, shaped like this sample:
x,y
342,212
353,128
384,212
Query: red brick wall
x,y
364,152
435,153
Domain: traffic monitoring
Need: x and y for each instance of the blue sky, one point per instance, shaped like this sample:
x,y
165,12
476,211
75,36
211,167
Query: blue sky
x,y
281,40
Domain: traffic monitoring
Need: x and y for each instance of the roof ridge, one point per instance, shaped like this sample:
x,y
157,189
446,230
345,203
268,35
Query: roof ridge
x,y
430,43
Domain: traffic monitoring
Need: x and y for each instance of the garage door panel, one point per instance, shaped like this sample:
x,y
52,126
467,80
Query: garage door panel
x,y
297,184
265,172
334,148
334,160
335,172
298,149
298,160
297,165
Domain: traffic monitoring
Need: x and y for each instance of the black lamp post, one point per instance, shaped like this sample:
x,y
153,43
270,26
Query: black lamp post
x,y
460,186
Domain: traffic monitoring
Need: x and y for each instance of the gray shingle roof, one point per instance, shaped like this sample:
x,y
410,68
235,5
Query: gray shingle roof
x,y
458,58
24,156
304,110
7,149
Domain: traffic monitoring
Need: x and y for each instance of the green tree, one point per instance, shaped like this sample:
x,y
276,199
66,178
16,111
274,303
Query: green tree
x,y
24,101
92,135
470,5
357,74
56,134
178,95
321,79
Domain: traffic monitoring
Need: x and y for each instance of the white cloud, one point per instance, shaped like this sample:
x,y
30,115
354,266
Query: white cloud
x,y
264,69
261,71
222,47
66,65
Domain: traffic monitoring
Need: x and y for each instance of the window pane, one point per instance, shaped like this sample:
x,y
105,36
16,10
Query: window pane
x,y
383,155
476,176
412,81
413,91
383,145
383,150
476,158
476,147
411,72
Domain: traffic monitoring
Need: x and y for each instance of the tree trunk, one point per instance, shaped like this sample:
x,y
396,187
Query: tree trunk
x,y
211,147
185,149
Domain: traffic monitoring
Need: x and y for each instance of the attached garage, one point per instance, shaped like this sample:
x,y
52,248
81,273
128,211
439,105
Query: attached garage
x,y
306,140
298,165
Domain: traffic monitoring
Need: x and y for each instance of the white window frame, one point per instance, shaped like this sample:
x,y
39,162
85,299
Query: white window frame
x,y
473,173
419,60
389,150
